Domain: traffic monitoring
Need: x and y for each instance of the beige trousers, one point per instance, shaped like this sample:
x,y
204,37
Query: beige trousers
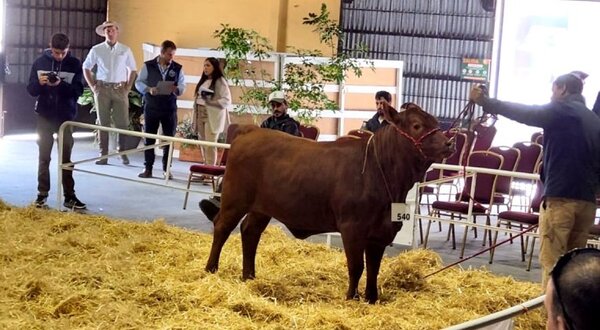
x,y
112,106
202,127
564,225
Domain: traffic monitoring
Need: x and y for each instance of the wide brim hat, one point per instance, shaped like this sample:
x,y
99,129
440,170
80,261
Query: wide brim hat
x,y
100,28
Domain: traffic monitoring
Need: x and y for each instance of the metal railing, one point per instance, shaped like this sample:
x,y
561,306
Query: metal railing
x,y
166,140
501,315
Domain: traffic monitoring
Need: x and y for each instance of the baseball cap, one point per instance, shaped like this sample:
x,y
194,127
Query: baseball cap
x,y
277,96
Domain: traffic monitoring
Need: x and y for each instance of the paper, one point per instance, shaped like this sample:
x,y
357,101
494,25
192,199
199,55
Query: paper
x,y
165,87
205,90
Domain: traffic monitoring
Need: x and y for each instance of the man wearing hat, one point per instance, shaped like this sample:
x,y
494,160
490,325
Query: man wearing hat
x,y
115,74
280,120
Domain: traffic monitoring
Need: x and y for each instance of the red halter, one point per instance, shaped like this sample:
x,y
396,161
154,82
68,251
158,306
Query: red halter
x,y
418,142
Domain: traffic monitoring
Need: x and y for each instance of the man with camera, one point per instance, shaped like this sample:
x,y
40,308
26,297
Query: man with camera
x,y
56,81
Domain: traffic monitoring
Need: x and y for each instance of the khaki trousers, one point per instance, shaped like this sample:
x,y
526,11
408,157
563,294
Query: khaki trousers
x,y
205,133
564,225
112,106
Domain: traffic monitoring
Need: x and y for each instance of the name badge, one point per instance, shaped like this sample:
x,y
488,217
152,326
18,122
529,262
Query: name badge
x,y
400,212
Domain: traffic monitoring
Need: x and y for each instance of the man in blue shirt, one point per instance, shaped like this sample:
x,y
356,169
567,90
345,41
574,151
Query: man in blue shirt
x,y
571,163
160,105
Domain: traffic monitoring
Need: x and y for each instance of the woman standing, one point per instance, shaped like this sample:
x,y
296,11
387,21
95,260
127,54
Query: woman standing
x,y
213,99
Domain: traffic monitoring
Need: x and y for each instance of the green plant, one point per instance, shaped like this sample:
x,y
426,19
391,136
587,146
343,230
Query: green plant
x,y
135,107
304,82
185,129
244,49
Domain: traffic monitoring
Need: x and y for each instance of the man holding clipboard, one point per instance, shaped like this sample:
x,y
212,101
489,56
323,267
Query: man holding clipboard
x,y
160,81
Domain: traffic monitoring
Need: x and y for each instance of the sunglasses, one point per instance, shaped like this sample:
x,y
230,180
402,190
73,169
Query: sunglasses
x,y
557,271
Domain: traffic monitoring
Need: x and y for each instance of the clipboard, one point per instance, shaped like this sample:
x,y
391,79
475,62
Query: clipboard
x,y
164,87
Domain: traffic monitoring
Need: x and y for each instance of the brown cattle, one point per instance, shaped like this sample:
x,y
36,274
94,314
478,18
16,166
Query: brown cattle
x,y
318,187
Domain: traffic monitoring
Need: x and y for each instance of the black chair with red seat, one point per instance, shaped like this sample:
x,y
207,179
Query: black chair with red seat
x,y
522,220
484,190
503,185
199,172
309,131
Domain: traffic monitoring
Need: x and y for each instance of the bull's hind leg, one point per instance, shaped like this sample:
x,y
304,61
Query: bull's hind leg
x,y
374,254
225,222
252,228
354,247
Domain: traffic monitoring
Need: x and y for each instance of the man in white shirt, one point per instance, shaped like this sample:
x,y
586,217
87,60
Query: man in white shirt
x,y
115,74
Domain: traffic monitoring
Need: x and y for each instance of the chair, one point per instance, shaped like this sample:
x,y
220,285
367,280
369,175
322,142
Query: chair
x,y
503,184
531,156
484,185
309,131
360,133
198,171
524,220
484,136
538,137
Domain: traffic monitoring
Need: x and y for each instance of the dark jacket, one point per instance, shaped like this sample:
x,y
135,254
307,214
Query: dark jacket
x,y
373,124
571,144
284,123
161,103
596,108
57,103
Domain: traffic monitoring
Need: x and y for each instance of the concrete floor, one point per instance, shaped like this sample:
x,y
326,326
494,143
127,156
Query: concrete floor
x,y
133,200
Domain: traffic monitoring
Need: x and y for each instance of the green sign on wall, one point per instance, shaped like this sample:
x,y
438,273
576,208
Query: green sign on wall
x,y
475,69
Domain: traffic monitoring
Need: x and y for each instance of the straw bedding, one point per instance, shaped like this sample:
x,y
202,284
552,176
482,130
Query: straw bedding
x,y
68,270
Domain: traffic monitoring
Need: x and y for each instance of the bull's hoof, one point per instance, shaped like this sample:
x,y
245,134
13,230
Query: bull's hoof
x,y
211,269
371,297
246,277
352,296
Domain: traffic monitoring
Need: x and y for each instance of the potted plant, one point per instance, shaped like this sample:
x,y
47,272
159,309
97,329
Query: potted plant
x,y
135,113
188,152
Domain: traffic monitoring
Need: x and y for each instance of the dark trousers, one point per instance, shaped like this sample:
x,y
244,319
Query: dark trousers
x,y
45,130
152,119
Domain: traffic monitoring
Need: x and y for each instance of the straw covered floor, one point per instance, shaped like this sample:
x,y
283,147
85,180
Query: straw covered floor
x,y
68,270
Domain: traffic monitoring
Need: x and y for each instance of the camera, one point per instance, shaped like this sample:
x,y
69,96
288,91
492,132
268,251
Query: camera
x,y
52,77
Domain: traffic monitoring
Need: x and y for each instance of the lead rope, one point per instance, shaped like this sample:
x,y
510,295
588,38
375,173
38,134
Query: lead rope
x,y
387,187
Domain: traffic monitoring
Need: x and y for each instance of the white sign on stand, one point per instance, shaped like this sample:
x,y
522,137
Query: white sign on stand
x,y
405,213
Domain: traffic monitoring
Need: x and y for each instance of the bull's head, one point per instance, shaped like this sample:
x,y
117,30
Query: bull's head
x,y
422,129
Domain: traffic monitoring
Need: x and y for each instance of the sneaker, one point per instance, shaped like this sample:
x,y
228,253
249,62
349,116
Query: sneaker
x,y
125,159
40,201
146,174
210,207
102,161
73,203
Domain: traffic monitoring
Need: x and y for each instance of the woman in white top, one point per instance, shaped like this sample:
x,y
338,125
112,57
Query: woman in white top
x,y
213,99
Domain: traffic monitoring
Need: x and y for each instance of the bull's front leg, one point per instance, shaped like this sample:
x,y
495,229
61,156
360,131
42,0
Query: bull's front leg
x,y
374,254
252,228
354,247
225,223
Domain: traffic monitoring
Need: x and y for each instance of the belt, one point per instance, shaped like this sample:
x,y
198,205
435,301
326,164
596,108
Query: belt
x,y
114,85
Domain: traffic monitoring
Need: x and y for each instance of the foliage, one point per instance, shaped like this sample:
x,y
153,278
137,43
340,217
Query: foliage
x,y
135,107
243,49
303,80
185,129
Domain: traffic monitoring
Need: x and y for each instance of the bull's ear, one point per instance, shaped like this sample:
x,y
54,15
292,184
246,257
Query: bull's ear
x,y
390,114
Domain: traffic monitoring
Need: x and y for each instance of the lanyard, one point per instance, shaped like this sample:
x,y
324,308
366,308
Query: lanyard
x,y
163,72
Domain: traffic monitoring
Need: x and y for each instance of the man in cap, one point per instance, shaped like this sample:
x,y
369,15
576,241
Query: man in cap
x,y
280,121
115,74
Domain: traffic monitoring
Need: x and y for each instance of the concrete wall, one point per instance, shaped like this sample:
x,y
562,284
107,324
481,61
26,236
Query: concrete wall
x,y
191,23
